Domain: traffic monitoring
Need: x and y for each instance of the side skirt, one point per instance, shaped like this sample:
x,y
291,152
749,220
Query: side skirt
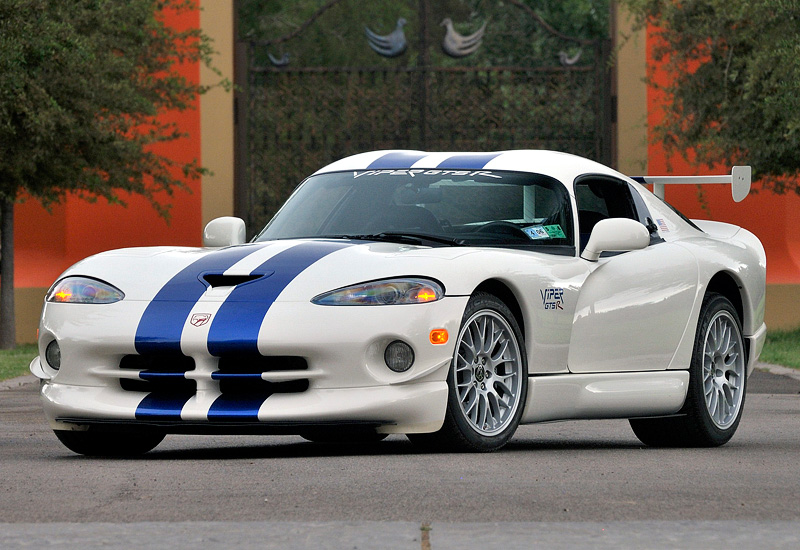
x,y
605,395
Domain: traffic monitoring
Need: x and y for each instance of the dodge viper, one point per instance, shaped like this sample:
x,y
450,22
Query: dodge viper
x,y
446,296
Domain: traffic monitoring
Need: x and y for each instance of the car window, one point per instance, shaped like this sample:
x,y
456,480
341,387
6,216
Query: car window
x,y
599,198
481,208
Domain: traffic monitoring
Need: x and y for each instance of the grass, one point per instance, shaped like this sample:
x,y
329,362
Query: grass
x,y
782,348
14,362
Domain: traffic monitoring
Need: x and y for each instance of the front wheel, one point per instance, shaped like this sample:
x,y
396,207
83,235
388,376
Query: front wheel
x,y
717,381
112,444
487,382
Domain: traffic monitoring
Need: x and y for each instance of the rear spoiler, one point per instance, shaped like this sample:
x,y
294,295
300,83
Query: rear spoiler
x,y
739,179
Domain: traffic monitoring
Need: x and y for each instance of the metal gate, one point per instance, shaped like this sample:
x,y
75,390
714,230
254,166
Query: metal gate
x,y
500,95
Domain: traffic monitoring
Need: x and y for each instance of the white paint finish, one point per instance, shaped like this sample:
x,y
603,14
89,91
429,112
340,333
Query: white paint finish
x,y
196,409
615,235
608,395
194,339
739,180
633,310
346,344
756,346
224,231
250,263
407,409
65,401
629,313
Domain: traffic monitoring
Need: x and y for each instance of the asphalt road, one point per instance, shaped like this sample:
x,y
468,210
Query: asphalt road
x,y
569,484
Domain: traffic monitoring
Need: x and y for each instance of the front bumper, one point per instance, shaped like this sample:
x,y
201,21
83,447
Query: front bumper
x,y
343,379
389,409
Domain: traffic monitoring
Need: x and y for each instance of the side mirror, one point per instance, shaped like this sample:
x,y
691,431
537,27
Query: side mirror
x,y
226,231
615,235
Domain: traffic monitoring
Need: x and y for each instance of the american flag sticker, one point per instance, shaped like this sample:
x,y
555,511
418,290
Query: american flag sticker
x,y
662,225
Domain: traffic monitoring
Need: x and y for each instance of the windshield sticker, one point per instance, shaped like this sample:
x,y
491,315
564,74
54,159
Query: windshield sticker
x,y
552,298
419,172
536,232
555,231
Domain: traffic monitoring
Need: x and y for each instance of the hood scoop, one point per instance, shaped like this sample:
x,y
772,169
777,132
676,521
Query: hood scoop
x,y
218,279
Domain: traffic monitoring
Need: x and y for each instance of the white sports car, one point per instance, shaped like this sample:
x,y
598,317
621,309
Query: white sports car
x,y
446,296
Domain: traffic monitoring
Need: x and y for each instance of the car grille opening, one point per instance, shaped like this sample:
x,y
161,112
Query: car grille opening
x,y
238,375
241,374
159,374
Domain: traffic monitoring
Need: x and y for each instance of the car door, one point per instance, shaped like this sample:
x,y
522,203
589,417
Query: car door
x,y
633,308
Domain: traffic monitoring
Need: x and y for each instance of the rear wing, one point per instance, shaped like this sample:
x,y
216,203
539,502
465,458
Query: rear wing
x,y
739,179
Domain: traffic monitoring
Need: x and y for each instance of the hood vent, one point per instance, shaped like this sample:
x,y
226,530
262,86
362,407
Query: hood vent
x,y
218,279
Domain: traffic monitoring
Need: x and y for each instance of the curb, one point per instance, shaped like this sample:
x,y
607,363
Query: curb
x,y
17,382
777,369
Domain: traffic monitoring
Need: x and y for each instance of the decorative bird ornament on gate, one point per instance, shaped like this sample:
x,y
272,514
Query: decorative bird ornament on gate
x,y
279,61
390,45
458,45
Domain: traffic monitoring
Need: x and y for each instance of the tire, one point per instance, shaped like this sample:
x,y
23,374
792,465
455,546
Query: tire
x,y
111,444
717,384
487,382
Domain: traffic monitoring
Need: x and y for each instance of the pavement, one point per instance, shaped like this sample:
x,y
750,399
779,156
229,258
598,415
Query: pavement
x,y
589,469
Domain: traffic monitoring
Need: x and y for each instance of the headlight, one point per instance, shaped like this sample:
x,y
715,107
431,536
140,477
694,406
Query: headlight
x,y
83,290
382,293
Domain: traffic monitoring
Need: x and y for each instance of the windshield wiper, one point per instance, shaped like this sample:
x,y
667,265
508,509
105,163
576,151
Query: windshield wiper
x,y
402,237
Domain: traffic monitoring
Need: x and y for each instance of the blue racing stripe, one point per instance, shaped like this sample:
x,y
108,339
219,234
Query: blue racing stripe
x,y
474,161
396,160
237,322
161,324
162,407
236,407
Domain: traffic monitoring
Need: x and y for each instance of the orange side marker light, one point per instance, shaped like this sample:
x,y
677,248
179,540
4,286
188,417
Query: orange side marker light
x,y
439,336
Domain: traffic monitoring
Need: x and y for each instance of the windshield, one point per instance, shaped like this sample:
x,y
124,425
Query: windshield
x,y
484,207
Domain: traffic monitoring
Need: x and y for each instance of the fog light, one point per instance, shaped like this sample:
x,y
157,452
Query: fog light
x,y
52,355
398,356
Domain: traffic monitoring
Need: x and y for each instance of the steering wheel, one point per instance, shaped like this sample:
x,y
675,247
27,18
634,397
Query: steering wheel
x,y
503,228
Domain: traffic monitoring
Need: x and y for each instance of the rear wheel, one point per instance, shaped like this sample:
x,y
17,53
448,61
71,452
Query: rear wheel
x,y
487,382
717,381
101,443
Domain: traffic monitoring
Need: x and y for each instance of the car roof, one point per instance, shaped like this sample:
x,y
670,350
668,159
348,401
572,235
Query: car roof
x,y
561,166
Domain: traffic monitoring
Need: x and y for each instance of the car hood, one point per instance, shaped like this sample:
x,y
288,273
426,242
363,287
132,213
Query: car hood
x,y
285,270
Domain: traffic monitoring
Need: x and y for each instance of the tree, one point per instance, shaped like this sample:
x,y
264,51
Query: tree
x,y
82,87
734,93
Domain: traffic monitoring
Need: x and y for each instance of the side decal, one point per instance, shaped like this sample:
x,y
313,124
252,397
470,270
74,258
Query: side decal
x,y
552,298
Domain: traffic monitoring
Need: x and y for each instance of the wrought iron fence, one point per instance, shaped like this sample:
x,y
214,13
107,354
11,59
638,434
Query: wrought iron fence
x,y
300,118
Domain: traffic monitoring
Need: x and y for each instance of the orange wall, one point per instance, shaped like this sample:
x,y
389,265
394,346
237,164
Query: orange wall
x,y
773,218
47,243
